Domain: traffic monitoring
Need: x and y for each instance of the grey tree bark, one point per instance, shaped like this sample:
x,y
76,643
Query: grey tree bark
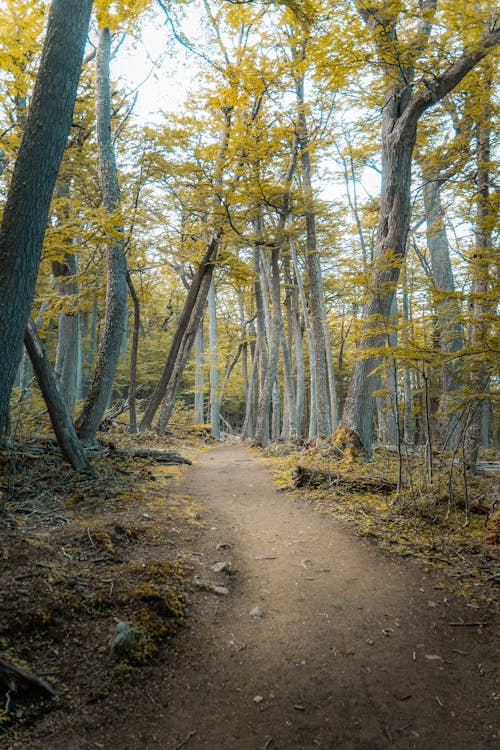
x,y
199,376
316,292
483,370
101,388
68,332
214,363
47,126
134,350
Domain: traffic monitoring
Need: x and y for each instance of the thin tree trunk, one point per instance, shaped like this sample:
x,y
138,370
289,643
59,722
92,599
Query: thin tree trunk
x,y
68,332
110,342
214,363
199,376
42,146
132,382
310,344
262,424
70,446
247,430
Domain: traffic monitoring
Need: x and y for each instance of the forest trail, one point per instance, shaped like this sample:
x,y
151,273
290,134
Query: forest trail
x,y
354,651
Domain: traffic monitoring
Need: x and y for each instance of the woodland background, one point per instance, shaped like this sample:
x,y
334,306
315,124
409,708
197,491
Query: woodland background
x,y
236,260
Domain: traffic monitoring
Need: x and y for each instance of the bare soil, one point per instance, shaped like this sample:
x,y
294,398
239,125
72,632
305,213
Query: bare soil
x,y
322,640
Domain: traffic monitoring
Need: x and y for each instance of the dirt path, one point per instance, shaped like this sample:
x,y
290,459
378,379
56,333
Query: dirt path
x,y
354,651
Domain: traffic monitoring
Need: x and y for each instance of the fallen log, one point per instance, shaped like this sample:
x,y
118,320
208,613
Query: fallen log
x,y
305,477
15,679
163,457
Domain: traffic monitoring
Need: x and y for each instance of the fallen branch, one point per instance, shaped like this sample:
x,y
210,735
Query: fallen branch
x,y
306,477
163,457
15,679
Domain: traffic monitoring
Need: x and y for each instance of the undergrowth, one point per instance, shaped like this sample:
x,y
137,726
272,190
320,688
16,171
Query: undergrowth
x,y
442,524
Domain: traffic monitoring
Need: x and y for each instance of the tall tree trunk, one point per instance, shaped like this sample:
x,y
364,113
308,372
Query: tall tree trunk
x,y
313,265
481,306
310,345
132,382
214,363
295,343
199,376
42,146
262,424
248,430
68,332
101,388
70,446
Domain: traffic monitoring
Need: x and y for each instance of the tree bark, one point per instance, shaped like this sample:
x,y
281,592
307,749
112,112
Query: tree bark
x,y
313,265
214,363
480,304
42,146
101,388
132,382
199,376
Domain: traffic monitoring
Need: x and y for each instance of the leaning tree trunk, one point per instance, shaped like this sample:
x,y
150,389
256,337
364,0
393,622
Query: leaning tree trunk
x,y
67,439
197,290
400,115
110,342
42,146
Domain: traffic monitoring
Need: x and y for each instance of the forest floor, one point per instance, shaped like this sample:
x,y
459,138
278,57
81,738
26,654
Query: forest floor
x,y
309,636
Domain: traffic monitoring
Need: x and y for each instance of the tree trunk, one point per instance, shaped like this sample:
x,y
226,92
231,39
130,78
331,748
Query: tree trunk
x,y
214,363
199,377
132,382
110,342
42,146
262,424
314,272
480,304
68,332
310,344
67,439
